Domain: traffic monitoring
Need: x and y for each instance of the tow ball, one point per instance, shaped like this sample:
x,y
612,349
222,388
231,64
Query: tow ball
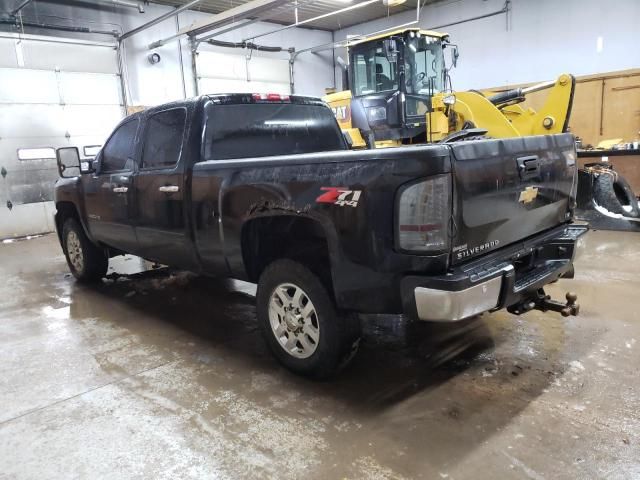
x,y
541,301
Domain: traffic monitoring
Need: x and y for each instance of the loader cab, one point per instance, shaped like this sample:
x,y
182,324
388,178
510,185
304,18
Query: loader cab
x,y
393,79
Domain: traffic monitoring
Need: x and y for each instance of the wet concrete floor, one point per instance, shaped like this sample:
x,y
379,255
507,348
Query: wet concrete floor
x,y
163,374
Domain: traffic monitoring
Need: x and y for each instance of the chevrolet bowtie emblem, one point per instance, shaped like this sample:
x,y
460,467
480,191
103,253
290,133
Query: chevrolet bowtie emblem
x,y
528,195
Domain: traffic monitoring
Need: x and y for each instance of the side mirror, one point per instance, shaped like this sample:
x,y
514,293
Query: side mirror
x,y
68,159
454,55
344,68
390,49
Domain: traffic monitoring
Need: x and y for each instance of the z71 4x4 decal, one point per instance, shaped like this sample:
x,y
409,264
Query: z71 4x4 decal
x,y
339,196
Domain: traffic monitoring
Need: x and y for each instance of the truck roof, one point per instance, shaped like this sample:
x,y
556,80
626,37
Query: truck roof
x,y
239,98
235,98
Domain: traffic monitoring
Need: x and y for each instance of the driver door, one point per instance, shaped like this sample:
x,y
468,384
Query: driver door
x,y
109,193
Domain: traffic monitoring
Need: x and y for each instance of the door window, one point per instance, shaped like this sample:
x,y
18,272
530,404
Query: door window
x,y
163,141
119,151
372,70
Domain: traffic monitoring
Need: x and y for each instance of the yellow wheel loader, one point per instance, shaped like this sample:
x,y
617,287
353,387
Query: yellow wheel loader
x,y
399,92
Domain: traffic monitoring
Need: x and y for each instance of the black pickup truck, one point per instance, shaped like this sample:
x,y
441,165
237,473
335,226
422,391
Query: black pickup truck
x,y
264,188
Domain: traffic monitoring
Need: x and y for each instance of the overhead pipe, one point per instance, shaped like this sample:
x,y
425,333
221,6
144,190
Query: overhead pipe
x,y
125,3
313,19
159,19
122,75
184,85
164,41
504,9
249,9
235,26
194,65
70,41
16,10
249,46
63,28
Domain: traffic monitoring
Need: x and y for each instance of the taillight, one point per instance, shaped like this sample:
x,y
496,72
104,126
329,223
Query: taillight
x,y
270,97
424,209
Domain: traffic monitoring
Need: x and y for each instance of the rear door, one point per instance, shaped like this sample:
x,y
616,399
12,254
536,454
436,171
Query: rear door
x,y
510,189
109,193
161,228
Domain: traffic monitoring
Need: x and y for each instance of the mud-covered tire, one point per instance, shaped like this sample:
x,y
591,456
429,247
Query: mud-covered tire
x,y
87,262
612,192
289,324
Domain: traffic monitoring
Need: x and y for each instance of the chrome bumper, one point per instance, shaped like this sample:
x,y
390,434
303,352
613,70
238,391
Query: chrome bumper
x,y
444,306
492,284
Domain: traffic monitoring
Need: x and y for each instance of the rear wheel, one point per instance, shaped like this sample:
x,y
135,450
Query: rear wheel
x,y
86,261
299,322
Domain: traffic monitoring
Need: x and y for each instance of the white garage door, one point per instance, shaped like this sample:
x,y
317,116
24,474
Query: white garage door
x,y
51,95
224,72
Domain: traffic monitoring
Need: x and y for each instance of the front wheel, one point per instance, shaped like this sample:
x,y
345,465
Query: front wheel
x,y
299,322
86,261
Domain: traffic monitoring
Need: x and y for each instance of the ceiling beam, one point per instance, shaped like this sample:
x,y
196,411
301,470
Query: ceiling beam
x,y
246,10
253,9
16,10
313,19
159,19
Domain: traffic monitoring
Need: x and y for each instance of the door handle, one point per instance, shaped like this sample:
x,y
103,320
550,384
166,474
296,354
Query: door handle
x,y
120,189
169,189
528,167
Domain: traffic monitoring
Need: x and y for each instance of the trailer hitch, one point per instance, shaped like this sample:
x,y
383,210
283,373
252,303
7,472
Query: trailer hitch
x,y
541,301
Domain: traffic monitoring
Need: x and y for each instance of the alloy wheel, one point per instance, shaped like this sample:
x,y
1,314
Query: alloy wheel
x,y
294,320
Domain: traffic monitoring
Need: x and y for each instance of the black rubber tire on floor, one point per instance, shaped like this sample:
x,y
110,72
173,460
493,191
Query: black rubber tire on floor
x,y
339,335
611,191
95,261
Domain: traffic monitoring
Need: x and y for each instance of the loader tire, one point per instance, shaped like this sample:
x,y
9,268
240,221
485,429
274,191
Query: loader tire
x,y
612,192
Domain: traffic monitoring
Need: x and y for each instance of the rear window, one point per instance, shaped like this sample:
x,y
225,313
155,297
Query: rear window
x,y
261,130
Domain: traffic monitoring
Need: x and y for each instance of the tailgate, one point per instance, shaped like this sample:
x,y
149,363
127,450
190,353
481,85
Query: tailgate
x,y
509,189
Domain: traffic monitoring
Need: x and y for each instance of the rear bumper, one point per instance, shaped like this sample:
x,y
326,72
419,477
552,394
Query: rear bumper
x,y
495,281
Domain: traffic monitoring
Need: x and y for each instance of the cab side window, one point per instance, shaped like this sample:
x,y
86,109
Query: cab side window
x,y
163,139
119,151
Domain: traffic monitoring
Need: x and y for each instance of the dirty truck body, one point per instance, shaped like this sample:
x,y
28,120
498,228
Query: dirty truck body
x,y
253,187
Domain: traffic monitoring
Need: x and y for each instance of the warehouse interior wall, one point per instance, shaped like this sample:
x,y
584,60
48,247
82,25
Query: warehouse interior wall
x,y
538,40
62,94
153,84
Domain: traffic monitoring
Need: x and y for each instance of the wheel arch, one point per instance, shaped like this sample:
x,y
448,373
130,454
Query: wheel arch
x,y
64,210
267,237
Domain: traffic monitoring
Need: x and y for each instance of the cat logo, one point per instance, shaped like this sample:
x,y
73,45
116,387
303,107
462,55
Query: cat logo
x,y
342,113
528,195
